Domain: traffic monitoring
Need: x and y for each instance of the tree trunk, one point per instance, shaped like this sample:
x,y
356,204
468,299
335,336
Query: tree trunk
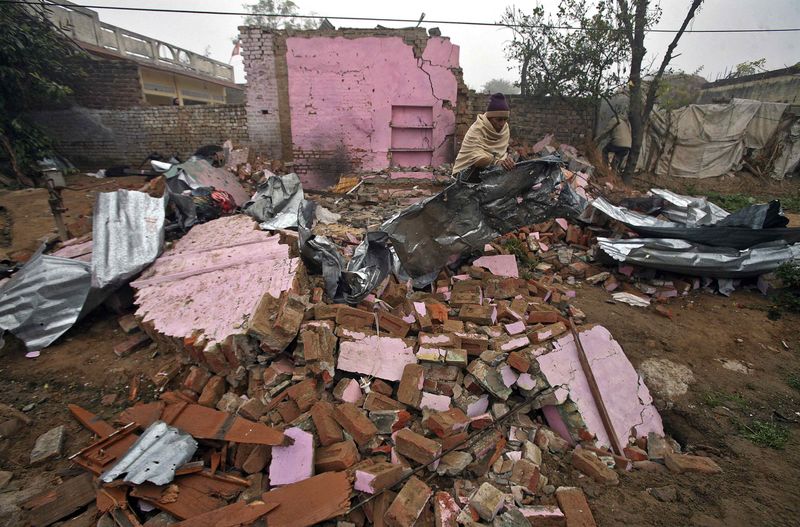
x,y
524,89
639,110
635,117
12,158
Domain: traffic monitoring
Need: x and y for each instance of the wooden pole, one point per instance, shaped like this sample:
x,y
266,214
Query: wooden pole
x,y
598,398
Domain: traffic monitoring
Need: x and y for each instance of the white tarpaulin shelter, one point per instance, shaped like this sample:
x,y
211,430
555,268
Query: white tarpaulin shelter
x,y
707,140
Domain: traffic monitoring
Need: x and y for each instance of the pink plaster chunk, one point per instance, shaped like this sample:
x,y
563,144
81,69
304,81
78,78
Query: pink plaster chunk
x,y
352,393
562,223
515,343
515,328
509,375
626,397
499,265
382,357
537,513
478,407
526,381
292,463
438,403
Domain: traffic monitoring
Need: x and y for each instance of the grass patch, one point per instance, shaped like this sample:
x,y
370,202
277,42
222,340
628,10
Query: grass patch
x,y
714,398
518,248
766,434
787,300
794,381
731,202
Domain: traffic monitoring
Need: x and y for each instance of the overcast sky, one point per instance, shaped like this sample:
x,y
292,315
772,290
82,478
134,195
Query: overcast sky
x,y
482,55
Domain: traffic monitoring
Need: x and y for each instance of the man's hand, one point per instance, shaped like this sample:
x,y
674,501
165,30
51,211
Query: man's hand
x,y
508,164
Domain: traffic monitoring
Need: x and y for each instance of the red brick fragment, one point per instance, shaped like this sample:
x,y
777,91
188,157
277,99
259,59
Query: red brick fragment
x,y
328,430
416,447
338,456
131,344
409,504
355,422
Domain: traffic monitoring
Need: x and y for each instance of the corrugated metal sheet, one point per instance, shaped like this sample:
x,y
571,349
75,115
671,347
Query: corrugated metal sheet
x,y
44,299
154,457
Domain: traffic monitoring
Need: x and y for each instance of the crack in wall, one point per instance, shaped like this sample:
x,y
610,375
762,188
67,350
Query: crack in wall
x,y
420,64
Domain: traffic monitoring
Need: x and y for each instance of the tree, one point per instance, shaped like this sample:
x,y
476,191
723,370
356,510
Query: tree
x,y
635,25
499,85
35,69
287,10
747,68
588,61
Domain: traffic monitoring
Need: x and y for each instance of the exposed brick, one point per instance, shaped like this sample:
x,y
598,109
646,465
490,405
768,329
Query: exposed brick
x,y
410,390
416,447
355,422
338,456
212,392
409,504
328,430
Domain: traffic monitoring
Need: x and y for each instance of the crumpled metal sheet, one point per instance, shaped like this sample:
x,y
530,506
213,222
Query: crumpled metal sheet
x,y
683,257
44,299
319,253
154,457
688,210
128,234
276,201
465,216
748,227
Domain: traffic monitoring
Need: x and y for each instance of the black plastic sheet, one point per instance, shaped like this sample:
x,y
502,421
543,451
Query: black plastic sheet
x,y
466,215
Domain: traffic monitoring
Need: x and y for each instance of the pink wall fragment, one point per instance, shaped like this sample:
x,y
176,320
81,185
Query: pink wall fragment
x,y
292,463
212,279
499,265
625,395
382,357
346,91
438,403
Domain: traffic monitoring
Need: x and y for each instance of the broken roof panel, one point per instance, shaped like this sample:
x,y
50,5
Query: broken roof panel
x,y
154,457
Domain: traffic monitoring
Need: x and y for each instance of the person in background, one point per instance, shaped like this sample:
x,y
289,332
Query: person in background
x,y
620,142
486,142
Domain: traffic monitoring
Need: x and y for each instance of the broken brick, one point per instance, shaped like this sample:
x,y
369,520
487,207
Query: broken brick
x,y
546,333
575,507
389,421
354,319
591,465
128,323
252,409
395,326
355,422
212,392
376,401
447,423
328,430
487,501
481,315
377,477
518,361
131,344
410,390
543,317
416,447
348,391
445,510
336,457
409,504
196,379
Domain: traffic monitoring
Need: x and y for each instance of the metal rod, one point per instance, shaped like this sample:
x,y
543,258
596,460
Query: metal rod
x,y
598,398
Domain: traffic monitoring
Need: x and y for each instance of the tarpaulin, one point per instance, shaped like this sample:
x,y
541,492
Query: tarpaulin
x,y
197,172
707,140
466,215
276,202
350,283
683,257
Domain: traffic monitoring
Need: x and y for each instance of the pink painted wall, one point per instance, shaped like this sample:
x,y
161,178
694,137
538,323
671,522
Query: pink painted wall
x,y
342,90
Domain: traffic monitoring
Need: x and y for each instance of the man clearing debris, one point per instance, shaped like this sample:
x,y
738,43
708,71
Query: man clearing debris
x,y
486,142
620,143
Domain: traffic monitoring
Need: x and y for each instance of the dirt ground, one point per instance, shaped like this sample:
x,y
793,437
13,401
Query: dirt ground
x,y
759,486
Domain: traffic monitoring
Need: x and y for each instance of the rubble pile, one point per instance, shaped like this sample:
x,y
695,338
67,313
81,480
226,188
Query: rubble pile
x,y
465,404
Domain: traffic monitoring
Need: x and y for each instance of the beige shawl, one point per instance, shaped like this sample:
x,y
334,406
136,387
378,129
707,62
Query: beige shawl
x,y
482,142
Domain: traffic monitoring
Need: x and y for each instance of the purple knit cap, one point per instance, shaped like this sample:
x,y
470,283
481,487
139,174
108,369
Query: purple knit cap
x,y
498,106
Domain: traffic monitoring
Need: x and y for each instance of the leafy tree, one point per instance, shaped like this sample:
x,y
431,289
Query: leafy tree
x,y
499,85
35,70
744,69
634,21
587,62
287,10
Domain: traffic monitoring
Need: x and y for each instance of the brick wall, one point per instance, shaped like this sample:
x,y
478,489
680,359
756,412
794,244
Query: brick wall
x,y
107,84
261,92
94,138
570,120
